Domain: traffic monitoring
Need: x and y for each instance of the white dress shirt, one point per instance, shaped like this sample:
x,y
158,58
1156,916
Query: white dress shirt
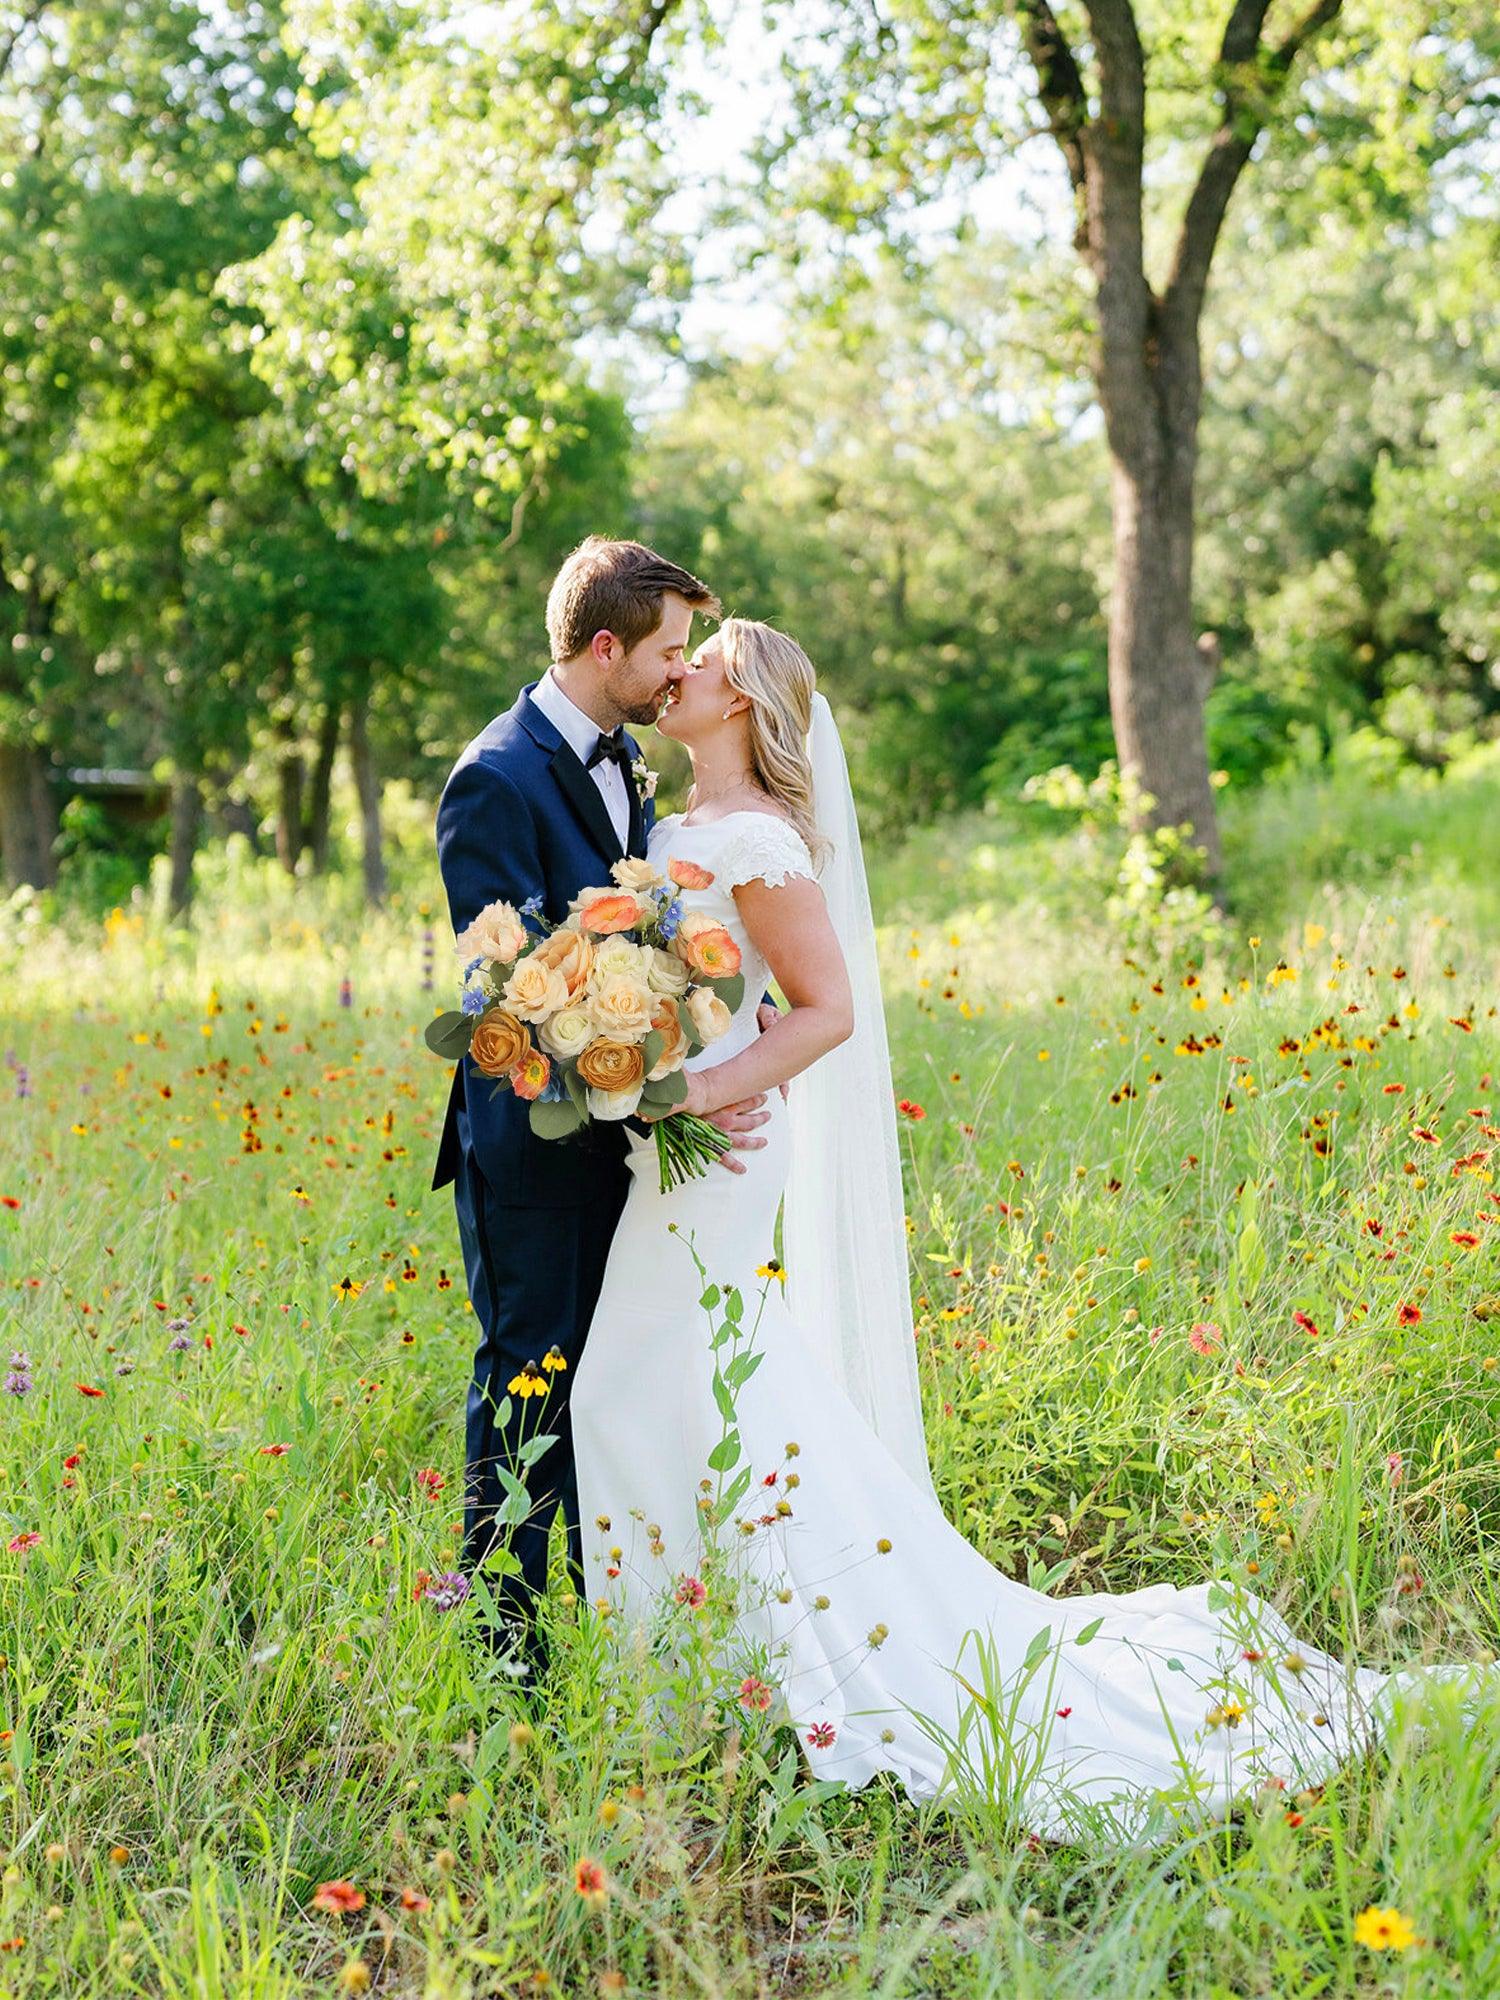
x,y
581,733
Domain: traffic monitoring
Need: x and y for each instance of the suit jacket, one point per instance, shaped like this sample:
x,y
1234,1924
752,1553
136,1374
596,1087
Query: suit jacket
x,y
521,817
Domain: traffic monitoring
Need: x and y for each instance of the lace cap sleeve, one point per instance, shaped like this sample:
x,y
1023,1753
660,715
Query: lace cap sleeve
x,y
763,848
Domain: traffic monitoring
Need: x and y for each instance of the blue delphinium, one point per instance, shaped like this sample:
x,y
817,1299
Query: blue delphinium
x,y
554,1088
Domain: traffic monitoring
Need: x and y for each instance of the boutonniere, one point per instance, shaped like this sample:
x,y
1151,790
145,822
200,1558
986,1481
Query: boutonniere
x,y
645,778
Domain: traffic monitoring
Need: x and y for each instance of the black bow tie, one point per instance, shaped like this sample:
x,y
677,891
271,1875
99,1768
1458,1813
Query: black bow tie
x,y
610,744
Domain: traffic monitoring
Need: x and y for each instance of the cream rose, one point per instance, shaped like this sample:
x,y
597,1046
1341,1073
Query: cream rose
x,y
666,974
614,1103
667,1021
497,932
707,1013
570,953
620,957
621,1009
567,1033
534,991
637,875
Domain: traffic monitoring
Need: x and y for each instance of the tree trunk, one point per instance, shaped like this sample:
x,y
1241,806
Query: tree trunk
x,y
289,773
367,784
28,817
1156,674
187,817
322,788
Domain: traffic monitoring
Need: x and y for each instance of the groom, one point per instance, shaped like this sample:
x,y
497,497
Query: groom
x,y
540,805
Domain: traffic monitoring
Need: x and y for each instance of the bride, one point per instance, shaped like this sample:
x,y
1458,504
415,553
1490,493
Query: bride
x,y
897,1647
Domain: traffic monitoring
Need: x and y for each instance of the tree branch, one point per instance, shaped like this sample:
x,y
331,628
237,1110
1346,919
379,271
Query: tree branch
x,y
1060,88
28,19
1256,80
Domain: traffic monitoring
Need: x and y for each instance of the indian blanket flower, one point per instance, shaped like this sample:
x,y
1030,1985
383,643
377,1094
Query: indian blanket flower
x,y
339,1898
1408,1315
690,1592
754,1695
1204,1337
821,1735
591,1882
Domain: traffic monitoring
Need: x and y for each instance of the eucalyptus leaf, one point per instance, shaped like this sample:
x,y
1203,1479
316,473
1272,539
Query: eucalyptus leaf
x,y
449,1035
554,1120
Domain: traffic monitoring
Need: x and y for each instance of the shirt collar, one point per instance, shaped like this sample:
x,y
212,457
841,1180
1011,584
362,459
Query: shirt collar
x,y
579,731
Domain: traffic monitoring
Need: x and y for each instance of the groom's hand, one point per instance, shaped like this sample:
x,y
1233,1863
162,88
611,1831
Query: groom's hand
x,y
767,1014
739,1121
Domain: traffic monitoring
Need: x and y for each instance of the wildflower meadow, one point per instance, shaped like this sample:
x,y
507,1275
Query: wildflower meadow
x,y
1202,1239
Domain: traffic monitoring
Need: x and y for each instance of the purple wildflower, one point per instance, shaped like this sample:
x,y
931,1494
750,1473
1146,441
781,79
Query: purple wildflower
x,y
346,993
179,1345
444,1592
18,1381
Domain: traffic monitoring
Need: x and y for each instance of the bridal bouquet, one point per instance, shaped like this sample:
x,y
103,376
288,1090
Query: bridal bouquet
x,y
593,1018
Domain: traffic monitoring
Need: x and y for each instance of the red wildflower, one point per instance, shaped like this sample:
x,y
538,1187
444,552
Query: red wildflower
x,y
431,1481
1307,1325
1408,1315
274,1450
1464,1238
1204,1337
821,1735
1063,1714
413,1899
23,1542
340,1898
10,1201
88,1389
754,1694
910,1110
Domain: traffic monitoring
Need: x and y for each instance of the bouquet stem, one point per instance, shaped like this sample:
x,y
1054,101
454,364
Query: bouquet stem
x,y
686,1146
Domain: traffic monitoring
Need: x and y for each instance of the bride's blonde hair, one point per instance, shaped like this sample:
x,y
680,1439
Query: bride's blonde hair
x,y
778,678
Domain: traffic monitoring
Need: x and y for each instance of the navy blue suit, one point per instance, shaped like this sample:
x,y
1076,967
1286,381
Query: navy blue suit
x,y
521,817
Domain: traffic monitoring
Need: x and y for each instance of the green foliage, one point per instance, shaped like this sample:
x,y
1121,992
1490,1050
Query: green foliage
x,y
223,1659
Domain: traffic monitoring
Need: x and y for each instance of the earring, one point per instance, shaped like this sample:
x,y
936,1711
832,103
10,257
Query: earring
x,y
726,715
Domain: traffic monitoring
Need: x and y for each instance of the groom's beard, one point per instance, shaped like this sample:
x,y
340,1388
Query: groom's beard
x,y
644,711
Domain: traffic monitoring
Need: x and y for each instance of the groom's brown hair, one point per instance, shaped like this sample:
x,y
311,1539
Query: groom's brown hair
x,y
608,586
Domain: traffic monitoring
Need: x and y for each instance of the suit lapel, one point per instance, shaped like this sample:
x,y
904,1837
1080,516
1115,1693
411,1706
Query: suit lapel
x,y
586,800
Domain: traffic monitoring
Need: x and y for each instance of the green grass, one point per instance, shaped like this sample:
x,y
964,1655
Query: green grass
x,y
214,1659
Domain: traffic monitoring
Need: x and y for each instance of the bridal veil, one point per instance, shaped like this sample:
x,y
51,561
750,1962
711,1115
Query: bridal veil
x,y
844,1221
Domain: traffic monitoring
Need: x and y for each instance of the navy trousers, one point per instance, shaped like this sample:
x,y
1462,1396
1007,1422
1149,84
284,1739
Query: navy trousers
x,y
534,1278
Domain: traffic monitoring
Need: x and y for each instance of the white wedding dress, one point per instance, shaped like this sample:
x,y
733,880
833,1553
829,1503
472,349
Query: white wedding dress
x,y
1138,1707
